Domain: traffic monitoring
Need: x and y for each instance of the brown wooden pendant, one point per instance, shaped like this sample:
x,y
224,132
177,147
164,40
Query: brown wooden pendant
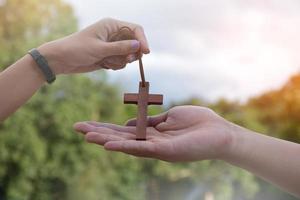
x,y
142,98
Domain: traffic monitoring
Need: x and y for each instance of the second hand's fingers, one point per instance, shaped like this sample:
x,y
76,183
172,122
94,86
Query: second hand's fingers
x,y
101,139
133,147
83,127
131,122
110,131
104,128
152,120
115,127
103,135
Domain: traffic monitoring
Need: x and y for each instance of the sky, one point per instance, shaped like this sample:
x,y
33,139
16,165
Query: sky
x,y
208,49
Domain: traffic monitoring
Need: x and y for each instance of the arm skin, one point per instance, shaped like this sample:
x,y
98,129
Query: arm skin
x,y
192,133
17,84
275,160
84,51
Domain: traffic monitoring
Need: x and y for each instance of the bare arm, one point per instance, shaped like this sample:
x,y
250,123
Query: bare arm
x,y
191,133
17,84
84,51
275,160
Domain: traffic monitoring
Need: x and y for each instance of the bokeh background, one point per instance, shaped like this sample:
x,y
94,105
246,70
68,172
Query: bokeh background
x,y
239,58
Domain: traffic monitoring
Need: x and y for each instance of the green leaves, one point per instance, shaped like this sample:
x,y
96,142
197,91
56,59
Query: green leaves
x,y
42,158
24,25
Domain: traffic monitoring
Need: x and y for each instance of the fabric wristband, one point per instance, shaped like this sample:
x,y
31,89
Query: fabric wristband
x,y
43,65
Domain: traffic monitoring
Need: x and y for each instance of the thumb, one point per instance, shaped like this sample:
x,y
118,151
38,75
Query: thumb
x,y
163,126
123,47
158,121
131,122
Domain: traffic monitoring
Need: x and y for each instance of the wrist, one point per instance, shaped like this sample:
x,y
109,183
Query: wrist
x,y
241,145
32,69
52,55
236,143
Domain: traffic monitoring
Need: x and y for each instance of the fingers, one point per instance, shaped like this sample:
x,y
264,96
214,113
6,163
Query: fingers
x,y
115,127
83,127
116,62
101,139
133,147
157,119
93,123
114,139
140,36
153,121
100,134
124,47
131,57
120,138
131,122
105,128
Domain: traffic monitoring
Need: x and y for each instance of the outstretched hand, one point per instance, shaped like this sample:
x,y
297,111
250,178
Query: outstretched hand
x,y
184,133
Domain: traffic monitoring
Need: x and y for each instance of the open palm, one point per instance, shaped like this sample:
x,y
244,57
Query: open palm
x,y
184,133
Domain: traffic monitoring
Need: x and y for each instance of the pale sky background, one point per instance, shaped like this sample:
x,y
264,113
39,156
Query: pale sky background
x,y
209,49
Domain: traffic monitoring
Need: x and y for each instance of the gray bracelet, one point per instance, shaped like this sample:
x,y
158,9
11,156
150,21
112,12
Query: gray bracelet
x,y
43,65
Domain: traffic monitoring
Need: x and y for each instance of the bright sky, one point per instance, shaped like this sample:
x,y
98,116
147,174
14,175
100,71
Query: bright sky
x,y
209,49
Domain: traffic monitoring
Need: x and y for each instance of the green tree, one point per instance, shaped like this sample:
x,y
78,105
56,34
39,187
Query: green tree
x,y
26,24
280,110
40,158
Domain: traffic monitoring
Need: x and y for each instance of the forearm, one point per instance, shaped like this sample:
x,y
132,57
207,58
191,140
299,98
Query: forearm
x,y
84,51
17,84
275,160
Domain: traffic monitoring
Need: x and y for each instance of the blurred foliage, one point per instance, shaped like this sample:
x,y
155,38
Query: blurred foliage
x,y
280,110
42,158
26,24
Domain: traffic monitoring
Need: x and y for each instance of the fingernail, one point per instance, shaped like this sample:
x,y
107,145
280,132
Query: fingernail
x,y
135,45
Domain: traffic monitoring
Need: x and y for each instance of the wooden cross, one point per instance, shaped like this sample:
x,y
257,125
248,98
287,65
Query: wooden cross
x,y
142,99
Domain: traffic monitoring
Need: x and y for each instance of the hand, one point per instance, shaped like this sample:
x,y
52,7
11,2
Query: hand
x,y
191,133
184,133
89,49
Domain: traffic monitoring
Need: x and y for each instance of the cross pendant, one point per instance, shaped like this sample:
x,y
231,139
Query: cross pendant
x,y
142,99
